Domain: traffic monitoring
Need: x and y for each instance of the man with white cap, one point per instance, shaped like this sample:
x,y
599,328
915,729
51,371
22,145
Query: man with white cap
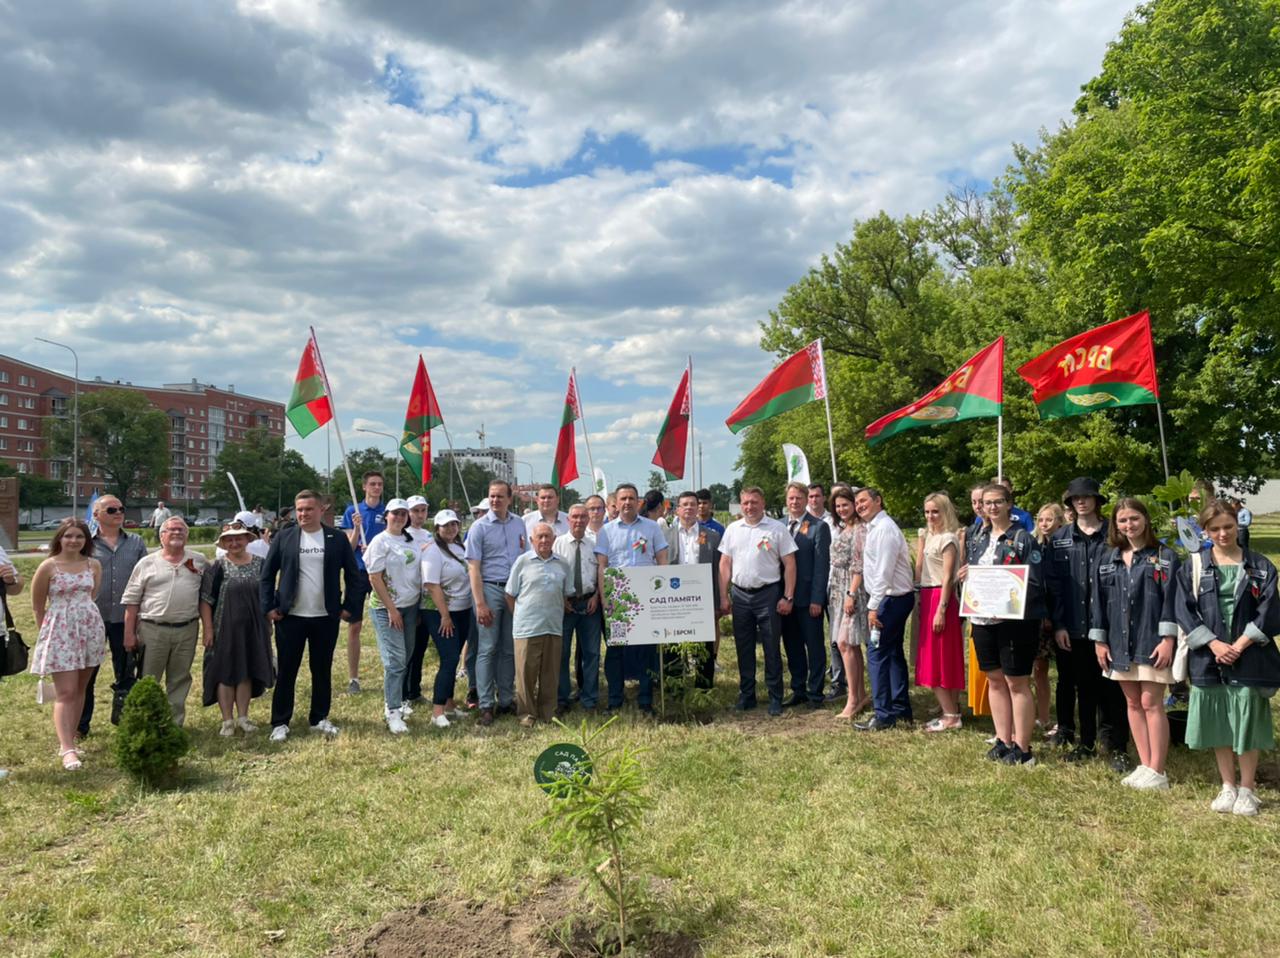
x,y
417,528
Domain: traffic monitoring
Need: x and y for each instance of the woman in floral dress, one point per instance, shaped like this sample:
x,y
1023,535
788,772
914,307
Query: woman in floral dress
x,y
847,600
239,665
72,640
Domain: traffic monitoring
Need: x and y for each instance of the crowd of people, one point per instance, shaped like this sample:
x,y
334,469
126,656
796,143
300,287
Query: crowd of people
x,y
514,605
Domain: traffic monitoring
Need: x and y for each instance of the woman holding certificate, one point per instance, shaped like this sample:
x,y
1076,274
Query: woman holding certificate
x,y
1007,645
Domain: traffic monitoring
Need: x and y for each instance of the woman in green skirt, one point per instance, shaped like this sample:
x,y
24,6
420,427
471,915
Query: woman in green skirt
x,y
1227,606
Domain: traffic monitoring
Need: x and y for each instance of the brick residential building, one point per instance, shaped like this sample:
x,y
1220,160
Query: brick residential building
x,y
202,419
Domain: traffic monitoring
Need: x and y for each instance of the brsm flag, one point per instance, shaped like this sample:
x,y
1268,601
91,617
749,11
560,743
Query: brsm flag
x,y
797,463
1112,365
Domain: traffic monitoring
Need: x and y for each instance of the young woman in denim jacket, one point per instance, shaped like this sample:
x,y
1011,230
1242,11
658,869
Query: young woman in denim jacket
x,y
1229,614
1133,629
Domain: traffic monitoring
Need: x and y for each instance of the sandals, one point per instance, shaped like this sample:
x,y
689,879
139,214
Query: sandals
x,y
70,759
945,723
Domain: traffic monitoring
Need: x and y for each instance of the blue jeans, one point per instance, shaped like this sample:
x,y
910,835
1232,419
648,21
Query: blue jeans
x,y
887,665
588,626
449,648
495,652
394,646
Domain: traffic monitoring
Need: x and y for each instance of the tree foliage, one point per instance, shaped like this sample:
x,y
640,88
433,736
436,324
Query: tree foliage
x,y
122,436
1163,194
267,473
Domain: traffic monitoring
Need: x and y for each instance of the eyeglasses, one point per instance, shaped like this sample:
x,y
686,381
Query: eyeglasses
x,y
113,510
992,503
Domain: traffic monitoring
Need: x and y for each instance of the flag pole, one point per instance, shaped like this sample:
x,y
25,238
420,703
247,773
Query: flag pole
x,y
692,447
337,431
453,460
1000,447
1164,452
577,396
826,399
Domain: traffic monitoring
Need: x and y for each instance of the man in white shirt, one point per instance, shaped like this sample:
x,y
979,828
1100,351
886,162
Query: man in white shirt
x,y
577,548
886,575
757,585
548,511
690,542
818,506
596,514
159,516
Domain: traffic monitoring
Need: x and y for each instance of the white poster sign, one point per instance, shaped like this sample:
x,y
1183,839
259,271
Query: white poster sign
x,y
657,604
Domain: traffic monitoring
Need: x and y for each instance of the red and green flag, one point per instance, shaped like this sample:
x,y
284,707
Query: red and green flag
x,y
1112,365
309,407
565,469
974,391
800,379
673,437
420,418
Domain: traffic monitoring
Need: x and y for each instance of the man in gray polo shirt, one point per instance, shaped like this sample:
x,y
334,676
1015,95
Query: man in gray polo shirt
x,y
494,542
117,552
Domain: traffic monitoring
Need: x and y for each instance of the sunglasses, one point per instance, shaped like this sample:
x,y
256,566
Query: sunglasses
x,y
113,510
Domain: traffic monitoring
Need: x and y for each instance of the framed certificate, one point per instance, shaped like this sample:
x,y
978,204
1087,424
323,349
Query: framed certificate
x,y
995,592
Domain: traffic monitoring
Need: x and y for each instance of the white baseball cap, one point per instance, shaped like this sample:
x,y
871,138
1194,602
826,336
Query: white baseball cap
x,y
481,506
444,517
250,519
395,504
415,501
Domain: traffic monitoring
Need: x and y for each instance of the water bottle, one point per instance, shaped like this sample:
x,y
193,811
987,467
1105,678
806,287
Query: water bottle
x,y
874,639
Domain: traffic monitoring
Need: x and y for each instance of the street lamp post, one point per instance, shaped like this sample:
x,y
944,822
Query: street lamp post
x,y
75,425
395,458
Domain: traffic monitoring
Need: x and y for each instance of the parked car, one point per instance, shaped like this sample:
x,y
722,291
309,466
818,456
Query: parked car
x,y
209,521
132,524
48,525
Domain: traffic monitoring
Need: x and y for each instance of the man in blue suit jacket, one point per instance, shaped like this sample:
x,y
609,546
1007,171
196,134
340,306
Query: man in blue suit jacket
x,y
301,594
802,639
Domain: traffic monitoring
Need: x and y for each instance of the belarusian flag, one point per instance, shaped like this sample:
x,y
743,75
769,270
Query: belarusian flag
x,y
974,391
1112,365
420,418
800,379
565,469
309,407
673,437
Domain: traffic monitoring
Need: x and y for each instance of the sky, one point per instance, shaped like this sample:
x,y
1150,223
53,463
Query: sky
x,y
508,189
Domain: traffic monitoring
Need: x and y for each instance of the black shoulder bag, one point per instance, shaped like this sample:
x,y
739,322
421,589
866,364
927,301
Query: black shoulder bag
x,y
15,650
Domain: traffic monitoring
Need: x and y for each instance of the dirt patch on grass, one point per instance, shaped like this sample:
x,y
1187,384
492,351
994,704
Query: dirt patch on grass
x,y
539,927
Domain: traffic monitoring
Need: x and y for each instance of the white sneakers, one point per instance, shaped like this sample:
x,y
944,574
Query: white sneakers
x,y
228,728
1146,780
395,723
440,721
279,733
245,725
1246,802
325,727
406,709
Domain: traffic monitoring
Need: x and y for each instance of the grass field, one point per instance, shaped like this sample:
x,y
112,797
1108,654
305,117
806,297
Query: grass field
x,y
794,836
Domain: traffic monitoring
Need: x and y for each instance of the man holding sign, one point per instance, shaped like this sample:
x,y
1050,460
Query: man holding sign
x,y
689,542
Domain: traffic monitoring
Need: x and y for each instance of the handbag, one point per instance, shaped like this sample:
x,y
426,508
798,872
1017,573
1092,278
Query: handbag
x,y
15,650
1182,654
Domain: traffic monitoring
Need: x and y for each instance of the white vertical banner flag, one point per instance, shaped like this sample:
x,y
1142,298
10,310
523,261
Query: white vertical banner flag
x,y
601,483
797,464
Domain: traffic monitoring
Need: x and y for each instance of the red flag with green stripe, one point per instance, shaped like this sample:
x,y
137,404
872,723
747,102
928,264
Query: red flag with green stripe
x,y
1112,365
309,406
565,469
420,418
974,391
800,379
673,437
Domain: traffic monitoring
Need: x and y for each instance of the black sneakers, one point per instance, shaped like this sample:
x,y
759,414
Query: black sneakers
x,y
1016,756
997,752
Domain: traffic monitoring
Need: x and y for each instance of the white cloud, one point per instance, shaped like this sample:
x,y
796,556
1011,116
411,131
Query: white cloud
x,y
186,187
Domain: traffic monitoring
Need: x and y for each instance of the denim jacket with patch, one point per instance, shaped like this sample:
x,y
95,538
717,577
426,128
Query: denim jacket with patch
x,y
1256,615
1134,606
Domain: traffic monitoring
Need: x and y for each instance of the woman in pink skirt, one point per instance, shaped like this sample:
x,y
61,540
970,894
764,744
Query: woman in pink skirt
x,y
940,655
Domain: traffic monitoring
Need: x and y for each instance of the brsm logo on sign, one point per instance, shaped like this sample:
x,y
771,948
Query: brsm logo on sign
x,y
658,582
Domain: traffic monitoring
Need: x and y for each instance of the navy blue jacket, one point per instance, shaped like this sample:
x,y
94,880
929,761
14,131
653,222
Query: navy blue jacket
x,y
1016,546
1069,575
1255,615
813,560
339,561
1135,606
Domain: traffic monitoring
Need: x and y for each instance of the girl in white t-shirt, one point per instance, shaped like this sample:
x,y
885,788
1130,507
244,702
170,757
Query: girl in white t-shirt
x,y
396,577
444,577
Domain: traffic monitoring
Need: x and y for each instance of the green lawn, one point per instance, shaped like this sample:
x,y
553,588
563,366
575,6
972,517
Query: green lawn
x,y
786,837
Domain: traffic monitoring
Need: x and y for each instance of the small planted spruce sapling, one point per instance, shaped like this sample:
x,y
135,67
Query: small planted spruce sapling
x,y
595,812
148,743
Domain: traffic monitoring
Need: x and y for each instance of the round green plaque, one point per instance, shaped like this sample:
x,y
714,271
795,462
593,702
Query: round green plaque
x,y
559,762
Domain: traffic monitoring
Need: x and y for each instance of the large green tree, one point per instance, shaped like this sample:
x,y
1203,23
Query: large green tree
x,y
267,473
122,436
1164,194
